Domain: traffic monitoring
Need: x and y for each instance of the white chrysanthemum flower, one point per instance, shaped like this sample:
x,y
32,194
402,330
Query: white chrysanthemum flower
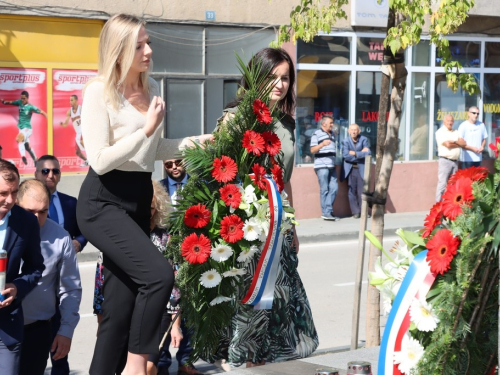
x,y
247,254
423,315
251,230
221,252
210,279
219,299
234,272
410,354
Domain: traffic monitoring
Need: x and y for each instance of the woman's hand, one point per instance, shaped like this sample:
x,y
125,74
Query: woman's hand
x,y
155,115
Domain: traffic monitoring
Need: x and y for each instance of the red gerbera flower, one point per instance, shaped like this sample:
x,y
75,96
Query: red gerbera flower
x,y
456,196
442,248
231,228
196,249
231,195
272,143
197,216
225,169
278,177
258,178
494,148
262,112
253,142
474,173
433,219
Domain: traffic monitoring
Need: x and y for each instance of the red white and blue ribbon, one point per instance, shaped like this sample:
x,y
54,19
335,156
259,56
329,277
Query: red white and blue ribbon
x,y
261,292
416,284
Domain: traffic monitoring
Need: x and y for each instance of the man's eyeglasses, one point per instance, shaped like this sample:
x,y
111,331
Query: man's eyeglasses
x,y
474,113
46,171
169,164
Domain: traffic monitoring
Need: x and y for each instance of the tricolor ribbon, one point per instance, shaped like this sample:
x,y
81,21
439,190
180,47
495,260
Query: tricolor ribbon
x,y
261,291
416,284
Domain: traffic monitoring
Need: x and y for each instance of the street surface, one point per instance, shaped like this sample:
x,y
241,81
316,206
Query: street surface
x,y
327,270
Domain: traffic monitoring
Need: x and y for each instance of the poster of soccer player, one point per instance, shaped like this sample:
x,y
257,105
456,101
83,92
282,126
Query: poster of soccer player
x,y
67,88
23,116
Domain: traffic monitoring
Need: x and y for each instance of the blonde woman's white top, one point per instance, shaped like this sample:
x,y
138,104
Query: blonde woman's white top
x,y
116,139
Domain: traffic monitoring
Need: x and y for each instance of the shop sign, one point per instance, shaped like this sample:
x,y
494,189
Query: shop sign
x,y
369,13
370,116
319,115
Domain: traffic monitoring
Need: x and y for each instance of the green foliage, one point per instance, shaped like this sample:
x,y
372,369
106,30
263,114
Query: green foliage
x,y
310,17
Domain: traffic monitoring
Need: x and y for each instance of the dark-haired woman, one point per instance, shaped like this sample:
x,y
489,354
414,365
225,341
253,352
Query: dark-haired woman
x,y
286,331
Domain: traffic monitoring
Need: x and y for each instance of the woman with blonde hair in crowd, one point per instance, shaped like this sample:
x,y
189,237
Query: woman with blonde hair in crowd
x,y
121,116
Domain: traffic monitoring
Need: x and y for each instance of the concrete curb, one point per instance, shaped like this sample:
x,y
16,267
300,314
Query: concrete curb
x,y
345,236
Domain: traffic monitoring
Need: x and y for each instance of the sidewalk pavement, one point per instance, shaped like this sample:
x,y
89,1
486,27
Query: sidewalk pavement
x,y
319,230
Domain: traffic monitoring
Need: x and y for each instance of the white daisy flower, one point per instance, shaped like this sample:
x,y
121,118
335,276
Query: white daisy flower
x,y
210,279
221,252
247,254
219,299
423,315
251,230
410,354
234,272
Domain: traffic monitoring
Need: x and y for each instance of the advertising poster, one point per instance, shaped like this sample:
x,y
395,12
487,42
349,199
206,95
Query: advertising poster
x,y
23,116
67,98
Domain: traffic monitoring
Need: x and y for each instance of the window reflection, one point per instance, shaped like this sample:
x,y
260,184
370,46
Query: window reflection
x,y
419,123
320,93
491,108
467,53
370,51
325,49
492,58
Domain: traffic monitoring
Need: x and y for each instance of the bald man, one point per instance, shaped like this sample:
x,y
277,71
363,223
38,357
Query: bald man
x,y
449,145
474,134
60,278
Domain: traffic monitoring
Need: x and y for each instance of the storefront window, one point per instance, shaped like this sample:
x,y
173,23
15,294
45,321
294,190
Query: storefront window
x,y
421,54
467,53
491,108
419,123
492,59
370,51
320,93
325,49
367,104
177,49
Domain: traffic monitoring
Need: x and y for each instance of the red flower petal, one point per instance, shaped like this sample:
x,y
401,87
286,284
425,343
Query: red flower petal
x,y
442,248
272,143
494,148
225,169
196,249
253,142
278,177
262,112
455,196
258,178
474,173
231,228
231,195
197,216
433,219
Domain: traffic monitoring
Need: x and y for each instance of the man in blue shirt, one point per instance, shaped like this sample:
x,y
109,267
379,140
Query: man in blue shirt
x,y
474,134
323,147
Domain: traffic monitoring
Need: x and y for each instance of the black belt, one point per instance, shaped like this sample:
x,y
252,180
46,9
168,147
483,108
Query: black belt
x,y
325,154
442,157
37,323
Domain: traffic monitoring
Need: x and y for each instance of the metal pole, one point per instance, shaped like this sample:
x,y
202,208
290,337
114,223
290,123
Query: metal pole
x,y
361,256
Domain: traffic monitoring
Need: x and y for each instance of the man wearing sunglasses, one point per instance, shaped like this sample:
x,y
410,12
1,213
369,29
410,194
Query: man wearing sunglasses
x,y
62,210
176,177
474,134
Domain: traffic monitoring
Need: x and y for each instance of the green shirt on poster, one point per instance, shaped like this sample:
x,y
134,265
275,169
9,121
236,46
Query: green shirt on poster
x,y
25,113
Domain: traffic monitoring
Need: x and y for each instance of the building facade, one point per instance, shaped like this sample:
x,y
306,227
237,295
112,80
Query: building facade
x,y
338,74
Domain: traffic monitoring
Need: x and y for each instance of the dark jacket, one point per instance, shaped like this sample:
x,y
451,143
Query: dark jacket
x,y
68,204
359,158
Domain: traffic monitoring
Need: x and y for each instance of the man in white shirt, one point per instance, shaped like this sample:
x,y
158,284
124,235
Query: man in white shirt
x,y
449,144
474,134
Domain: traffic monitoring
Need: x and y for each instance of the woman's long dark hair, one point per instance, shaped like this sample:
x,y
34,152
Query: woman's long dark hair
x,y
269,58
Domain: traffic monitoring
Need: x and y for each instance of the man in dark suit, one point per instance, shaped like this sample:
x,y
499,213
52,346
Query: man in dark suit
x,y
354,149
62,210
20,237
176,177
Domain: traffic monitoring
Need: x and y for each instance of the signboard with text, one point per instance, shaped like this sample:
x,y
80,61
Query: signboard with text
x,y
369,13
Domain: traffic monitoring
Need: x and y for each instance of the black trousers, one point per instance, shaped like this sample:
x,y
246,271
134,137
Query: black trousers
x,y
35,348
113,213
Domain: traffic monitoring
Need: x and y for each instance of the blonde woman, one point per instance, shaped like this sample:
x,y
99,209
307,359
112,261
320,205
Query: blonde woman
x,y
121,116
